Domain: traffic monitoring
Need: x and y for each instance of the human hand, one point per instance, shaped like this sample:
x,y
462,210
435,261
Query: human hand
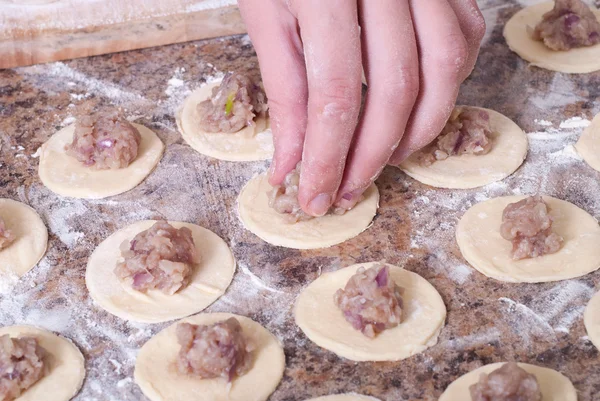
x,y
415,54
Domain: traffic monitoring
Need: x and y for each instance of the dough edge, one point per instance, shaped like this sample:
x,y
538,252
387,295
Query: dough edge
x,y
184,118
471,253
269,364
554,385
588,145
357,350
189,300
515,140
63,382
126,178
591,320
36,232
585,60
264,222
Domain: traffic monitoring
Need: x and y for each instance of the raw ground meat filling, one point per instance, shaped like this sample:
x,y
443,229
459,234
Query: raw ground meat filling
x,y
569,25
508,383
284,198
529,226
105,141
467,132
211,351
21,365
233,104
6,236
371,301
161,257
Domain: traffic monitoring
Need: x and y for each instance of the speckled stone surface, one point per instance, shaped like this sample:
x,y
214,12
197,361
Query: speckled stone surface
x,y
488,321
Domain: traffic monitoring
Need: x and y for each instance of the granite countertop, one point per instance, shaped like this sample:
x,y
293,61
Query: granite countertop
x,y
488,321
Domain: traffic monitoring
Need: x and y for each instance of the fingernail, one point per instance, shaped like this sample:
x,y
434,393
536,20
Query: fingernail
x,y
320,205
347,201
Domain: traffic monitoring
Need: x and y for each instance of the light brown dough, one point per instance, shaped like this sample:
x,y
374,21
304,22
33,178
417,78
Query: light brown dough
x,y
577,61
472,171
209,280
480,242
554,385
258,217
66,176
249,144
424,314
67,367
588,145
157,375
31,238
591,319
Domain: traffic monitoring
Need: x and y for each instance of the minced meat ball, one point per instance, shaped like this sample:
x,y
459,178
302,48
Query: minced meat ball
x,y
233,105
21,365
161,257
6,235
371,301
508,383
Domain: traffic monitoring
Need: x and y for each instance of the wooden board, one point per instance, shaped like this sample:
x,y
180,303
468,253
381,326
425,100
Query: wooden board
x,y
39,31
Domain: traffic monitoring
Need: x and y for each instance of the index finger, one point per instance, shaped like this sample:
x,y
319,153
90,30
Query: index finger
x,y
332,51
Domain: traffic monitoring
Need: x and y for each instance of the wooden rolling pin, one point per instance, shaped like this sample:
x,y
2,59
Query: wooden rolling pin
x,y
39,31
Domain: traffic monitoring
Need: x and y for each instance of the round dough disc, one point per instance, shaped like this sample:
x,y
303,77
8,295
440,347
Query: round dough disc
x,y
472,171
258,217
209,281
322,322
66,176
31,239
480,242
554,385
248,144
591,319
67,367
344,397
588,145
576,61
157,375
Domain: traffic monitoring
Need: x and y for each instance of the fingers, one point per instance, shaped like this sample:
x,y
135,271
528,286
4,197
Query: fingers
x,y
443,57
331,40
472,25
274,33
392,70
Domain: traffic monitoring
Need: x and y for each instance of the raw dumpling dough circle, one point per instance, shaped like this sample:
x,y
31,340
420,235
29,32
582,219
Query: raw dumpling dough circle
x,y
262,220
66,176
591,319
424,314
553,385
157,375
67,367
248,144
345,397
31,239
588,145
480,242
576,61
472,171
209,280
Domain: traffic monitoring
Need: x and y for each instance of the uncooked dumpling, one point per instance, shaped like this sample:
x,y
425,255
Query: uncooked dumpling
x,y
249,144
588,145
209,280
480,242
553,385
423,317
66,176
158,377
67,366
580,60
509,149
258,217
30,238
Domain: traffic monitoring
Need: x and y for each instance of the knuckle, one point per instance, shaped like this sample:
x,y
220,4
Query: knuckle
x,y
338,99
401,86
451,58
